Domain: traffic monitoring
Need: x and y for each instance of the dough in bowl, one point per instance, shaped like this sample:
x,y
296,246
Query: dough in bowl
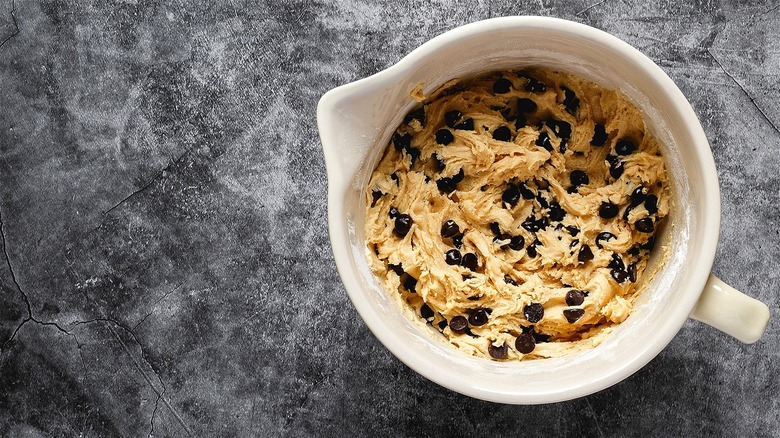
x,y
515,212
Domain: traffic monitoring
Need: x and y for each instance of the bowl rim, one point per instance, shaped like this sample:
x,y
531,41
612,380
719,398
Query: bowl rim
x,y
338,184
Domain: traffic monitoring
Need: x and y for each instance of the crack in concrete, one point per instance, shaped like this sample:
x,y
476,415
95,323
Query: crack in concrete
x,y
156,404
16,25
8,343
291,418
752,100
770,10
160,393
6,346
11,269
155,304
149,184
595,417
590,7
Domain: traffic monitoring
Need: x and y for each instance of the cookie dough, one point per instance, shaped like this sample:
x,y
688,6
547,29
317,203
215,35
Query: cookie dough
x,y
514,212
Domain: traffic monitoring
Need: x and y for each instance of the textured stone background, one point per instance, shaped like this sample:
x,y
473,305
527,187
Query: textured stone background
x,y
162,202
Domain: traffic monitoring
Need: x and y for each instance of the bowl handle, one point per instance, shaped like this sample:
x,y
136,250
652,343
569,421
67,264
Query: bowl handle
x,y
730,311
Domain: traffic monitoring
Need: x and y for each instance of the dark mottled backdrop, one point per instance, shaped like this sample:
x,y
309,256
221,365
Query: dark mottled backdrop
x,y
166,268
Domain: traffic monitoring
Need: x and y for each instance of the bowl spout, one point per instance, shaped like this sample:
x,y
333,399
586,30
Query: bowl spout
x,y
351,120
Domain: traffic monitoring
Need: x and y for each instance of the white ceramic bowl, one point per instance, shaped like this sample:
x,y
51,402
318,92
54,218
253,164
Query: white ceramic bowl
x,y
355,123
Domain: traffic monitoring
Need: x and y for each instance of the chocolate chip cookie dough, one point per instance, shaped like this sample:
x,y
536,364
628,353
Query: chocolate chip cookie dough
x,y
515,212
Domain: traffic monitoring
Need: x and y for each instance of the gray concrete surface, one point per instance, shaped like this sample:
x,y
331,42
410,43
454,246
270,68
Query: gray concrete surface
x,y
166,269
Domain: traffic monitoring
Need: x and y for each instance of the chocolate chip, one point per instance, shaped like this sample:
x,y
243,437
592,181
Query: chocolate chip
x,y
525,343
615,166
458,177
605,236
375,195
560,128
578,178
478,317
616,263
638,196
402,142
608,210
438,165
625,147
632,272
525,105
417,114
403,223
506,112
502,133
534,86
572,230
394,177
517,243
542,200
574,297
649,245
525,192
509,280
616,171
442,324
503,236
398,269
511,195
452,117
449,228
634,250
570,100
599,135
502,86
585,254
644,225
426,312
533,312
627,212
452,257
450,184
413,153
651,204
574,243
531,250
520,121
497,352
470,261
530,224
495,228
540,337
457,240
466,125
572,315
459,324
619,275
444,136
410,283
468,332
544,141
557,213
